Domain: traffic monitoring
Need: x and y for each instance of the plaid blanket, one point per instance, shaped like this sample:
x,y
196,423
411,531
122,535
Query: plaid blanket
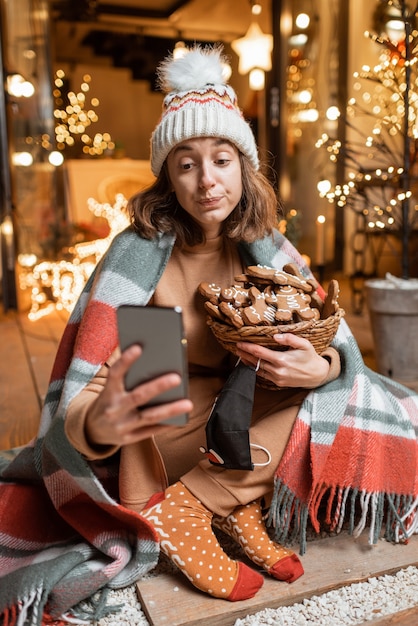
x,y
63,534
363,466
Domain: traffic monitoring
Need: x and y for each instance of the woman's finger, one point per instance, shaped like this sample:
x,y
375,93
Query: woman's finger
x,y
145,392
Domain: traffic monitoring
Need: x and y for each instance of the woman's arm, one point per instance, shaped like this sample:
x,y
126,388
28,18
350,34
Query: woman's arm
x,y
105,416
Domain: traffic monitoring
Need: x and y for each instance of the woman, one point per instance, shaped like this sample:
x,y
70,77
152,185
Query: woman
x,y
210,194
209,214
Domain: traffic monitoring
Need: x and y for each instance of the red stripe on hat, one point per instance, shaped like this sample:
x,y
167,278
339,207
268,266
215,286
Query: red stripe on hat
x,y
202,99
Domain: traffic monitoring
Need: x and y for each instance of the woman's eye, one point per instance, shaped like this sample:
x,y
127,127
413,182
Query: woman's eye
x,y
222,161
185,166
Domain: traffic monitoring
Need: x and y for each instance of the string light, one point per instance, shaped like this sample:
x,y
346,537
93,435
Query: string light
x,y
300,83
73,117
377,192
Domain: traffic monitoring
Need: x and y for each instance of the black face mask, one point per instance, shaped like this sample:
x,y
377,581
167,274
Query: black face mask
x,y
227,436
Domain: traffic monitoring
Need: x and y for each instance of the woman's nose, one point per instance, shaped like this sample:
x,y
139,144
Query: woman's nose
x,y
207,178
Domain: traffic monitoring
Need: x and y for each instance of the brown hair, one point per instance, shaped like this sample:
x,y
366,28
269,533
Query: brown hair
x,y
156,210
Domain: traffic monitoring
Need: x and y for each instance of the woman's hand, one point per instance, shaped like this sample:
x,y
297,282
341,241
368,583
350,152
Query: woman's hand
x,y
114,417
297,365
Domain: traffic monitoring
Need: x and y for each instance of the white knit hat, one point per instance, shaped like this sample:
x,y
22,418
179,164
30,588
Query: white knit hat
x,y
198,104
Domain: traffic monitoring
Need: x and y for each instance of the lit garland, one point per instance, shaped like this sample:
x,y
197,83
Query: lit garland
x,y
378,192
74,118
56,285
300,88
300,80
73,115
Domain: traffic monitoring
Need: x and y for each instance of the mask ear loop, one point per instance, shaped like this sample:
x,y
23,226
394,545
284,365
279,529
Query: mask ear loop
x,y
257,367
255,445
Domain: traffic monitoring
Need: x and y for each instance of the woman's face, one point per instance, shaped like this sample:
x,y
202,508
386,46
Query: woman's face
x,y
205,175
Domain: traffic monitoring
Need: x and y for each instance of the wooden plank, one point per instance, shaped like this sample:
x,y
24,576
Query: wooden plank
x,y
407,617
27,353
19,407
41,338
170,600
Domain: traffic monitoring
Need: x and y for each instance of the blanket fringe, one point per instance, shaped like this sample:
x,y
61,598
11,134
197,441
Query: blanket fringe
x,y
8,618
27,612
289,517
94,610
30,611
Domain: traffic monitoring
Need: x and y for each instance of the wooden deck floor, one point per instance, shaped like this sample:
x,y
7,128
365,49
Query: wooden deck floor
x,y
27,351
329,563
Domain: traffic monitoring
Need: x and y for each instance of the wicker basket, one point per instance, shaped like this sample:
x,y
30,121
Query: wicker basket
x,y
319,332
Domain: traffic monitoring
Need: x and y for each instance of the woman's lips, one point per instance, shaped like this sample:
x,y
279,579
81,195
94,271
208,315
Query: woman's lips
x,y
210,201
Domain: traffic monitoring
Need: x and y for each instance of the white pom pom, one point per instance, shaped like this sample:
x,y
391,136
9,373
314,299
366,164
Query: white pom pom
x,y
198,68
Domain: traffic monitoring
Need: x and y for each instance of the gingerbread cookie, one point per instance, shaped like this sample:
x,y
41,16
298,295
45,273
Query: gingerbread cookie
x,y
259,312
232,314
213,310
331,300
317,302
292,268
316,313
270,295
210,291
292,304
238,296
277,277
244,280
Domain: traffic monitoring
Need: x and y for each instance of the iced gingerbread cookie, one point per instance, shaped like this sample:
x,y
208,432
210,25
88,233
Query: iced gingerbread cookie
x,y
243,279
292,268
292,303
213,310
273,297
316,301
277,277
232,314
210,291
259,312
238,296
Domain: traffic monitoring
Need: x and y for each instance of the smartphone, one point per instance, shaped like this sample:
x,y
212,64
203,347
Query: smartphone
x,y
160,333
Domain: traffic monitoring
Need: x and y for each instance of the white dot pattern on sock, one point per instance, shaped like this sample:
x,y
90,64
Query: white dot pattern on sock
x,y
185,536
244,526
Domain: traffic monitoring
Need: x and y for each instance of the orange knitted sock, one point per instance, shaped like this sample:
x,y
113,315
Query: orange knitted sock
x,y
187,538
245,525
